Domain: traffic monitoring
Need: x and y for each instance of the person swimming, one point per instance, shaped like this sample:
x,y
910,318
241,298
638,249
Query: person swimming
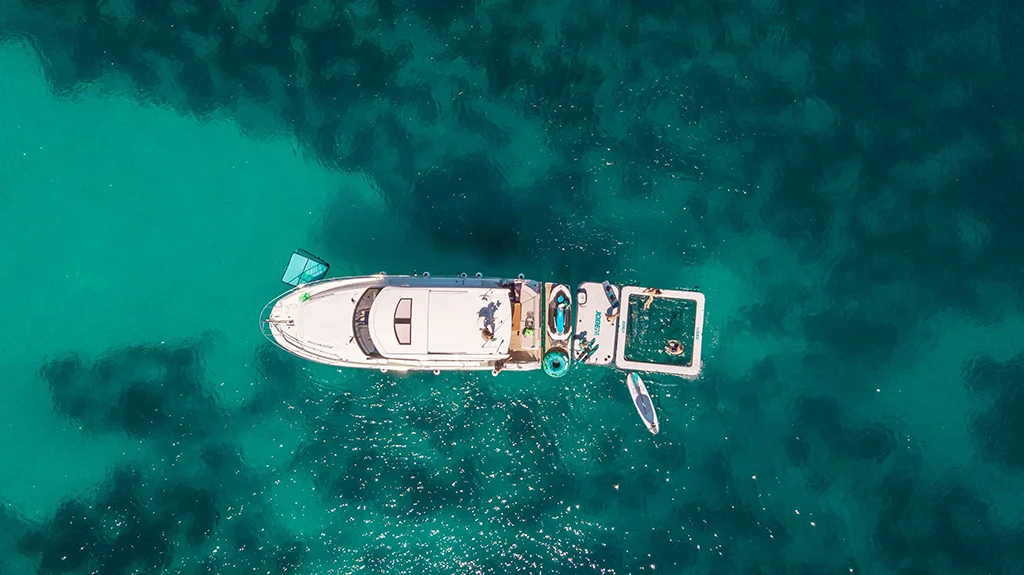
x,y
674,347
651,293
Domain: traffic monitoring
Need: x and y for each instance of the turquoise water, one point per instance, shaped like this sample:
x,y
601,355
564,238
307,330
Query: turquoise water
x,y
842,182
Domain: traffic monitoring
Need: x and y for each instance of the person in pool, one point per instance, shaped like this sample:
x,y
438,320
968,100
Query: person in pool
x,y
674,347
651,293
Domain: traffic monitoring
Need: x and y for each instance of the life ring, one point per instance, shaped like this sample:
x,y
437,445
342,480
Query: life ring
x,y
556,362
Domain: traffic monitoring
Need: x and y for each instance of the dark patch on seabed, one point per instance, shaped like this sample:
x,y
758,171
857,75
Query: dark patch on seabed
x,y
878,144
142,516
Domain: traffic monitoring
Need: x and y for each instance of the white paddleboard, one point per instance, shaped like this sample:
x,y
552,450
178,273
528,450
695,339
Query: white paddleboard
x,y
642,402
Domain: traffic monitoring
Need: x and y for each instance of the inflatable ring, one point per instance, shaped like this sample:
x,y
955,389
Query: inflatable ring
x,y
556,362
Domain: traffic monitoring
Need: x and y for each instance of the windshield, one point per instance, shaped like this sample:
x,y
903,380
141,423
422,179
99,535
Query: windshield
x,y
361,322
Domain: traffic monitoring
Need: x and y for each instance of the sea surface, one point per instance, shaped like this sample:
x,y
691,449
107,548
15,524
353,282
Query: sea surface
x,y
843,180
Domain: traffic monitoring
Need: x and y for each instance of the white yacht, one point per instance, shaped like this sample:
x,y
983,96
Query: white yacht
x,y
422,322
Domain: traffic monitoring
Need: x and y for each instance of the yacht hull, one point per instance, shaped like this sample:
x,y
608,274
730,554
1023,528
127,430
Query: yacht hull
x,y
454,324
419,322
